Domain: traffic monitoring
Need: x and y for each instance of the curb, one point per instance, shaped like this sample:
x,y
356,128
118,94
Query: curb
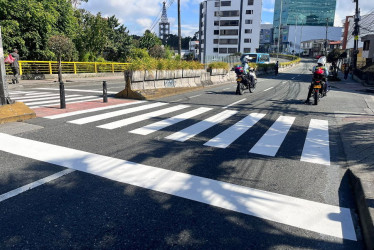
x,y
365,213
16,112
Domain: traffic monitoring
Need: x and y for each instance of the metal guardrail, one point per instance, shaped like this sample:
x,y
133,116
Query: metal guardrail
x,y
51,67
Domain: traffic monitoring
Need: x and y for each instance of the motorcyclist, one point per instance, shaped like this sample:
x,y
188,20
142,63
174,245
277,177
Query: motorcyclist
x,y
321,63
247,68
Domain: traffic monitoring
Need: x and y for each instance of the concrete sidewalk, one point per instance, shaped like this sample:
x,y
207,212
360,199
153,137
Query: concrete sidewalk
x,y
357,133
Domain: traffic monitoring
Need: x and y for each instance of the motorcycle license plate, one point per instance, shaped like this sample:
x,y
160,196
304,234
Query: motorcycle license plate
x,y
238,79
317,86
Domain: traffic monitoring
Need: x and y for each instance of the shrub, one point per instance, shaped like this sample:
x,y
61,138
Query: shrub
x,y
218,65
151,63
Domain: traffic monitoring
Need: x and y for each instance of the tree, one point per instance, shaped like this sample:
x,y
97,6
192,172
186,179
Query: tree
x,y
27,25
333,58
63,48
157,51
149,40
119,41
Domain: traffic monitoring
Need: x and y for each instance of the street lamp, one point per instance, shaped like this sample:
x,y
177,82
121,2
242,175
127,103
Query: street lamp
x,y
279,26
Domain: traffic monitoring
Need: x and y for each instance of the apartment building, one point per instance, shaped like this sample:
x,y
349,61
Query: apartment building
x,y
229,27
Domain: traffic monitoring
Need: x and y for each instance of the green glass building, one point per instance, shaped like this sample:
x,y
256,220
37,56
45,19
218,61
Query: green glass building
x,y
304,12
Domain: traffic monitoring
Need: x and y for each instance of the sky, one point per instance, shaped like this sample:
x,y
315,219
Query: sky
x,y
139,15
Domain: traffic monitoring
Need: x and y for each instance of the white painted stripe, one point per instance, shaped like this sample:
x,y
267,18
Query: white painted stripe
x,y
22,92
116,113
92,110
81,90
138,118
199,127
226,88
30,99
309,215
195,96
268,89
66,100
316,148
57,103
146,130
34,96
178,100
34,184
234,103
273,138
224,139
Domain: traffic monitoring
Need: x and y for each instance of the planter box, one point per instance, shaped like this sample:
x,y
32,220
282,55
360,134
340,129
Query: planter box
x,y
150,75
178,73
138,76
165,74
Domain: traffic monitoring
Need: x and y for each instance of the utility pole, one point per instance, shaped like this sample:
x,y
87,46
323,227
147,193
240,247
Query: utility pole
x,y
279,26
4,94
179,29
294,44
356,31
327,26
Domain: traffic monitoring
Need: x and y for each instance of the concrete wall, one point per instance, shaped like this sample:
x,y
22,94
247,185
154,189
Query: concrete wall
x,y
179,78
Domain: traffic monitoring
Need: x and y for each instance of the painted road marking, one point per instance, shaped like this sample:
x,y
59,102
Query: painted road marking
x,y
146,130
81,90
199,127
35,94
226,88
53,101
30,99
309,215
131,120
224,139
234,103
58,102
63,115
273,138
268,89
34,184
116,113
316,148
195,96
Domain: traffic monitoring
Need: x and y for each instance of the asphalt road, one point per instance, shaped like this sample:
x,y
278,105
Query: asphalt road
x,y
255,171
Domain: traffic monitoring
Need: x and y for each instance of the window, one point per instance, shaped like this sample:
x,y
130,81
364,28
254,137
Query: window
x,y
225,3
223,50
227,13
248,21
248,31
216,23
216,4
228,32
215,50
228,41
247,40
232,50
229,23
247,50
216,32
249,12
250,2
366,45
215,41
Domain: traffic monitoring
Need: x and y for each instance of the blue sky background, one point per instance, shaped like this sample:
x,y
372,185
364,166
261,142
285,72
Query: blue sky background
x,y
138,15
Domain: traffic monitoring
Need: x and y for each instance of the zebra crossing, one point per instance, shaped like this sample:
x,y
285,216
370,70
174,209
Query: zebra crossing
x,y
316,147
37,99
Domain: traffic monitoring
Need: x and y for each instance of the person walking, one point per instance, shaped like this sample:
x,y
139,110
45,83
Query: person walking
x,y
346,71
276,67
15,66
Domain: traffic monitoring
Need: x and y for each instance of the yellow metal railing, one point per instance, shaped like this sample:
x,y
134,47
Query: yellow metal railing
x,y
51,67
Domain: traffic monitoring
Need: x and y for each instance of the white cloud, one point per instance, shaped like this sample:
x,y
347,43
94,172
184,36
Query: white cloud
x,y
347,8
268,10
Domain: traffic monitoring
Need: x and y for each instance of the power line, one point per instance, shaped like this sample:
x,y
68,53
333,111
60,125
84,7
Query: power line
x,y
158,17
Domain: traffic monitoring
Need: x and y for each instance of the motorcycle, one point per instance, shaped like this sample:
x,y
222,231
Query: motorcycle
x,y
244,81
318,85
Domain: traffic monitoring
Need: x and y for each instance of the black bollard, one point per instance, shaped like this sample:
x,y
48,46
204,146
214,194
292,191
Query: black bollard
x,y
62,95
105,92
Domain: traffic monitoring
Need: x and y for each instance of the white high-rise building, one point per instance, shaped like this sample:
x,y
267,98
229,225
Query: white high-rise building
x,y
229,27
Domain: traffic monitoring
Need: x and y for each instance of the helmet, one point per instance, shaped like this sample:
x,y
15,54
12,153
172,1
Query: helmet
x,y
322,60
247,58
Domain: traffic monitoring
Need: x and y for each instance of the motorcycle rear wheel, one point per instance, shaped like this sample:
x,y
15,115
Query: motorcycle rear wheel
x,y
240,88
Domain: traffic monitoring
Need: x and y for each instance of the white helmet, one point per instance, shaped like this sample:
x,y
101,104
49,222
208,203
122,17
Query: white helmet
x,y
322,60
